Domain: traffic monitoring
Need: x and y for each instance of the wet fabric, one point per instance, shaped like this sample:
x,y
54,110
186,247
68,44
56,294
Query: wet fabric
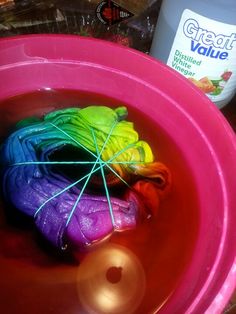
x,y
66,211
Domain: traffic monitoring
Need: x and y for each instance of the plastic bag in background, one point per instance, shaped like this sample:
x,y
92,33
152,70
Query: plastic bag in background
x,y
127,22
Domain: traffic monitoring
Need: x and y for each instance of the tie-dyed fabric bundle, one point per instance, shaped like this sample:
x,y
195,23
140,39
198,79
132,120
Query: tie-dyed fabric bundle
x,y
119,182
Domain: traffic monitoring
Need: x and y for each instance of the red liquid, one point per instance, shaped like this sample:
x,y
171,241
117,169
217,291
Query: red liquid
x,y
155,255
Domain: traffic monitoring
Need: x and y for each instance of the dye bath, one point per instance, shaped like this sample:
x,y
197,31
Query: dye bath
x,y
134,271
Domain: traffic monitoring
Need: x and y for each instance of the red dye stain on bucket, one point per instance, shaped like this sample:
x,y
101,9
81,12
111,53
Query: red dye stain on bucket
x,y
183,261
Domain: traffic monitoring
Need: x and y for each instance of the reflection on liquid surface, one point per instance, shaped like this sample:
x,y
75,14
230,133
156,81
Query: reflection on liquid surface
x,y
116,285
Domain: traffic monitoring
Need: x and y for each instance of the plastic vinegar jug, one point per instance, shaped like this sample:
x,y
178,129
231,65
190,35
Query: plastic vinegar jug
x,y
198,39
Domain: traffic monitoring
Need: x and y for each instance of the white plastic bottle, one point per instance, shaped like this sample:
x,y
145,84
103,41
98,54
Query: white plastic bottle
x,y
198,39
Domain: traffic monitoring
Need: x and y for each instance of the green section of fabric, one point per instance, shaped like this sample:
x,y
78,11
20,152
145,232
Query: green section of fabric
x,y
76,124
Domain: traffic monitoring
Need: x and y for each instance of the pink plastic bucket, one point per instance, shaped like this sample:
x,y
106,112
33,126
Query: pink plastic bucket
x,y
197,223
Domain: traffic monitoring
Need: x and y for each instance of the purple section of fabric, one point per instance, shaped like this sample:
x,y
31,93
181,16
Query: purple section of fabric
x,y
91,220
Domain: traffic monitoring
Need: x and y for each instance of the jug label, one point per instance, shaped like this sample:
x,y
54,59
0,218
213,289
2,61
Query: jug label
x,y
204,51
